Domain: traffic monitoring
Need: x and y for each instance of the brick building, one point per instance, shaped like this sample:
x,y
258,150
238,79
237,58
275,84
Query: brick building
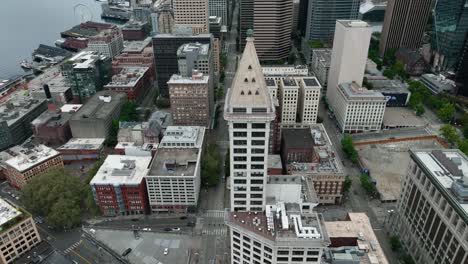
x,y
136,30
136,53
18,233
190,99
275,167
28,161
296,145
135,81
119,186
80,149
52,128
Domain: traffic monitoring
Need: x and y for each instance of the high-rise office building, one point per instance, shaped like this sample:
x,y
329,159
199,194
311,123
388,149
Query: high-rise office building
x,y
165,55
272,22
462,71
108,42
349,55
219,8
404,24
249,111
192,14
322,16
431,218
449,30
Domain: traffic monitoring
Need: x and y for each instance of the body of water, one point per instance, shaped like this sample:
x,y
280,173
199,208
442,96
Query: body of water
x,y
24,24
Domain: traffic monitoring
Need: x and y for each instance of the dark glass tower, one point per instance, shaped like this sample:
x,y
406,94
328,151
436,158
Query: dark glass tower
x,y
449,30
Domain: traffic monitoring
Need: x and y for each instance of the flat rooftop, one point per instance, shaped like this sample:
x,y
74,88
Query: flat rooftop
x,y
199,48
311,82
184,134
298,138
449,169
29,155
353,23
289,82
274,162
290,226
83,144
129,76
359,227
136,46
18,105
328,160
178,79
389,86
437,83
100,106
66,108
354,92
53,78
51,119
122,170
7,212
85,59
174,162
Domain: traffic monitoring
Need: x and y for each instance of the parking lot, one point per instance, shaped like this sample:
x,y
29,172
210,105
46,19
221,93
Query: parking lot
x,y
149,247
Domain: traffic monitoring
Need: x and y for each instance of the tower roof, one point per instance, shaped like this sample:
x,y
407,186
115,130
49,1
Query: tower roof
x,y
249,88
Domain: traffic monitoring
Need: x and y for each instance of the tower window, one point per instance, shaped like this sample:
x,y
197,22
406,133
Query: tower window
x,y
246,80
250,67
253,79
250,93
257,93
242,92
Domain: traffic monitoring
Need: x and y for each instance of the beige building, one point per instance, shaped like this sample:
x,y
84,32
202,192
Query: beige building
x,y
18,233
349,56
404,24
357,231
358,109
190,98
29,162
192,14
432,212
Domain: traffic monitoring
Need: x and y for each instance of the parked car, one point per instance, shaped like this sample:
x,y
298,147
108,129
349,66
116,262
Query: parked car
x,y
166,251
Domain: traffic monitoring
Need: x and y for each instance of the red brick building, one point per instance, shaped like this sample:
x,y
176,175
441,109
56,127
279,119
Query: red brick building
x,y
136,53
297,145
81,149
275,166
135,81
119,187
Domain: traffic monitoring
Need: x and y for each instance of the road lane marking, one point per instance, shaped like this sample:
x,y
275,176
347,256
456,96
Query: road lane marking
x,y
83,258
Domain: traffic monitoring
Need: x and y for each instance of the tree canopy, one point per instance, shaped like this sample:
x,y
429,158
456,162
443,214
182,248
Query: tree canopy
x,y
211,166
56,195
348,148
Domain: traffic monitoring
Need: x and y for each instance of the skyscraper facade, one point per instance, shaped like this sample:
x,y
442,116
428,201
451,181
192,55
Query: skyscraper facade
x,y
192,14
249,111
404,24
322,16
218,8
272,22
461,78
449,30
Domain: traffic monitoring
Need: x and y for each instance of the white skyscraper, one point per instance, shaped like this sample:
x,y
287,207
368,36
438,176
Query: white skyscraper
x,y
349,55
249,111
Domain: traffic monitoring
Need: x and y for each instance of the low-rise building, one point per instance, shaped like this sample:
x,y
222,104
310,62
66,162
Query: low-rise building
x,y
431,219
119,186
396,93
275,166
94,119
173,180
320,64
438,83
138,132
29,161
191,99
195,56
16,114
82,149
356,231
324,171
136,30
86,73
52,128
135,81
132,149
52,86
108,42
18,233
287,231
297,145
281,71
358,109
412,61
136,53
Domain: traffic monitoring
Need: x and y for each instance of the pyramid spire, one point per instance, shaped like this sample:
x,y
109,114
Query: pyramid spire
x,y
249,89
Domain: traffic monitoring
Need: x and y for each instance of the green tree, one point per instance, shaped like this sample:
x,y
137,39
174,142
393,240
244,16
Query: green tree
x,y
395,243
112,139
316,44
419,110
348,148
227,164
465,131
291,58
450,134
406,259
129,112
211,166
222,76
446,112
220,93
399,69
367,184
347,183
463,146
389,57
389,73
163,103
56,195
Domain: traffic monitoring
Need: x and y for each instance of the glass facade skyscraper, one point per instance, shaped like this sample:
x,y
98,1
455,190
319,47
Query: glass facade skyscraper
x,y
450,28
322,16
